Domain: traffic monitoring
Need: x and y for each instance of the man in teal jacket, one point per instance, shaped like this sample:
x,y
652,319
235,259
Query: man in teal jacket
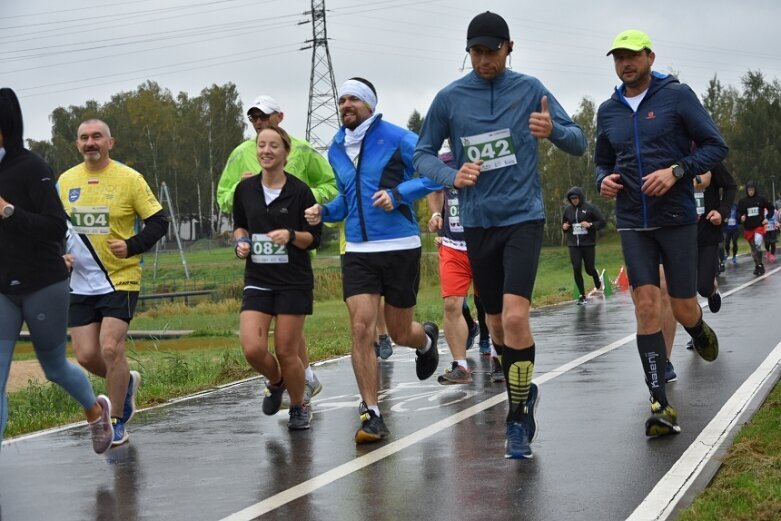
x,y
493,118
304,162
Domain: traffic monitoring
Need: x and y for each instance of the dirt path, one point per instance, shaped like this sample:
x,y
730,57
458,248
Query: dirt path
x,y
21,372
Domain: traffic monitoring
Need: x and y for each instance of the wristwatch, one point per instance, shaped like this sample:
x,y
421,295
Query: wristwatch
x,y
292,233
678,172
7,211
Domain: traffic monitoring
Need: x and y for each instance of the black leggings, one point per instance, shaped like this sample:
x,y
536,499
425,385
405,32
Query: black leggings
x,y
481,318
731,236
707,269
583,255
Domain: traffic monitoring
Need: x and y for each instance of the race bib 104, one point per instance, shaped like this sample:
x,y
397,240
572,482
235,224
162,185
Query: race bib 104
x,y
496,149
90,220
264,251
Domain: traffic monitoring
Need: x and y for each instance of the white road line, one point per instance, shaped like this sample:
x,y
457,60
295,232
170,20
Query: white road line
x,y
664,497
345,469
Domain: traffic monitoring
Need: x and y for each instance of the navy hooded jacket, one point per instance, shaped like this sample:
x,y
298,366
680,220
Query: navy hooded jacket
x,y
660,134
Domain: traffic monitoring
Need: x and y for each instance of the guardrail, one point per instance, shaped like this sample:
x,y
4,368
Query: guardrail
x,y
171,296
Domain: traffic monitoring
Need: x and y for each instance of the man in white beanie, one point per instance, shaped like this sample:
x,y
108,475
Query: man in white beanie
x,y
372,160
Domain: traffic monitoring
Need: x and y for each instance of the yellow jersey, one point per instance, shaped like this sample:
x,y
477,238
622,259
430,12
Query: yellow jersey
x,y
103,205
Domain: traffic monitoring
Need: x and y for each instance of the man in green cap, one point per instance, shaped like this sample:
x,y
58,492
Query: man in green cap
x,y
653,138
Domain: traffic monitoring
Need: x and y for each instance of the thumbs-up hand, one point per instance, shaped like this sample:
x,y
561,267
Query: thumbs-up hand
x,y
540,123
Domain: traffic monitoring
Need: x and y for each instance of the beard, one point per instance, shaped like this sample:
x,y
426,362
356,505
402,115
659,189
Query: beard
x,y
92,155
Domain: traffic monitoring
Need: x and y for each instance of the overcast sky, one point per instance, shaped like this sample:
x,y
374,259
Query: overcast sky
x,y
55,53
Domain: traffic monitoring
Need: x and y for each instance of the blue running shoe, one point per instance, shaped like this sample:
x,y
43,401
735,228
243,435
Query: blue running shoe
x,y
530,410
669,373
516,446
384,347
129,408
485,347
120,432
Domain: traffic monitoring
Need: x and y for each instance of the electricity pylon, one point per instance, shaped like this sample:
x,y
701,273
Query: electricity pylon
x,y
322,118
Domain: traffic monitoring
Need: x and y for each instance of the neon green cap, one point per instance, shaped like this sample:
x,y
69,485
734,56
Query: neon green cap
x,y
631,39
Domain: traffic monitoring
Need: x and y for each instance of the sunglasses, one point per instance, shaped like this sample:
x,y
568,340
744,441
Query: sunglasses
x,y
258,116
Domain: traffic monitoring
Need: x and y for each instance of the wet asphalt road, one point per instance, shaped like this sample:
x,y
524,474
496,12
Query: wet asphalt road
x,y
217,457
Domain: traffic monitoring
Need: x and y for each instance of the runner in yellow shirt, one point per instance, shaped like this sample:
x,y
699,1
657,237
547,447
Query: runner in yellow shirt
x,y
104,200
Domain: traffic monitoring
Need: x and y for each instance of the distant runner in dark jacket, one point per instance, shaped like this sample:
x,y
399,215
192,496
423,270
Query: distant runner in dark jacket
x,y
754,212
580,222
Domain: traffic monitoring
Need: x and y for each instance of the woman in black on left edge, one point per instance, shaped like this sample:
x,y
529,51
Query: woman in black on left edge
x,y
33,277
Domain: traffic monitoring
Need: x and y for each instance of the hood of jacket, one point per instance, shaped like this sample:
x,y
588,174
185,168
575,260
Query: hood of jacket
x,y
576,190
658,81
11,123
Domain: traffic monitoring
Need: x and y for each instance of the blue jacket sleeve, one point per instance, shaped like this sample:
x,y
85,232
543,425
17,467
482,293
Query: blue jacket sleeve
x,y
566,134
604,157
432,135
711,147
413,189
336,210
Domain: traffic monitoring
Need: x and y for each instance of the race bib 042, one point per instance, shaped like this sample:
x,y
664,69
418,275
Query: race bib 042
x,y
90,220
496,149
264,251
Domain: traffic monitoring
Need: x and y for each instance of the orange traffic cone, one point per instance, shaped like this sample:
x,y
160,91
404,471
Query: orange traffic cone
x,y
622,281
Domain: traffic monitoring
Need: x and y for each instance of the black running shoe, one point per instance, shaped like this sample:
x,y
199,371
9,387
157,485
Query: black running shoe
x,y
707,344
714,302
426,363
372,428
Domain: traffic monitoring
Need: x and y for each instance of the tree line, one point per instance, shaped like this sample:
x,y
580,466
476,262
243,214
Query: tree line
x,y
184,141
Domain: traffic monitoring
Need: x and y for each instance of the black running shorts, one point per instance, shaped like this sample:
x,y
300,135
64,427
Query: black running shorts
x,y
504,260
393,274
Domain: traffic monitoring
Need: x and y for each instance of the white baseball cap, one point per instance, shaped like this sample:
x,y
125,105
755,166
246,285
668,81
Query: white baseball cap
x,y
265,104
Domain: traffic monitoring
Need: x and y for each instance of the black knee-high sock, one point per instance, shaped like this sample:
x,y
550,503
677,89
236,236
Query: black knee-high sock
x,y
518,367
652,355
481,318
470,323
695,330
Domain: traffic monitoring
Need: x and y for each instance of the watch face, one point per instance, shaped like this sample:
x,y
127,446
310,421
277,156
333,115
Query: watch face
x,y
678,171
8,211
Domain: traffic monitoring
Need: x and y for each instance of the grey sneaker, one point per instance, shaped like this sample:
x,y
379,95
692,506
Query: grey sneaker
x,y
101,430
497,373
311,389
300,418
272,398
384,347
455,375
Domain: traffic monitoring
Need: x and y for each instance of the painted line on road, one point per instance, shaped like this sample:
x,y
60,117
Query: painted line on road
x,y
681,477
350,467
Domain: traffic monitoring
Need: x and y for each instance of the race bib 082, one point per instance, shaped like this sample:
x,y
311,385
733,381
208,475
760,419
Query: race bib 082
x,y
264,251
496,149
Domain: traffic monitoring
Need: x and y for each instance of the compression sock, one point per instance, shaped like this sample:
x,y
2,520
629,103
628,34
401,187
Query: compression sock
x,y
652,355
695,330
518,366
